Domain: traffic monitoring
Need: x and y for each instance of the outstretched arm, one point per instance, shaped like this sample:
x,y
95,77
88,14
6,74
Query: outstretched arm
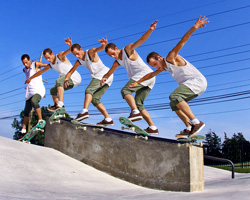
x,y
109,73
68,75
40,64
62,54
146,77
144,37
103,43
37,74
201,22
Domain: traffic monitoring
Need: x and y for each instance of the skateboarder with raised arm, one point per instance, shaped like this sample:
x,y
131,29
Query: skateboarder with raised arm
x,y
62,65
136,69
191,82
97,69
35,91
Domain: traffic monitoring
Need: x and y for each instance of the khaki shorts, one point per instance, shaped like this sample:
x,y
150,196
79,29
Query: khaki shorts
x,y
141,93
32,102
60,82
94,88
181,93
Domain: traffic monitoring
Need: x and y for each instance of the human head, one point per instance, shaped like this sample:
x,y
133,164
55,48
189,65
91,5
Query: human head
x,y
112,50
155,60
77,51
48,55
25,58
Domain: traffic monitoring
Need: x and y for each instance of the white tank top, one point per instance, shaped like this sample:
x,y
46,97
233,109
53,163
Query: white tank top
x,y
136,69
187,75
63,68
97,70
36,84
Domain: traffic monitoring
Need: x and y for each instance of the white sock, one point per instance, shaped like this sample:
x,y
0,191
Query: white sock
x,y
84,110
189,128
40,120
135,111
153,127
23,131
108,119
195,121
60,104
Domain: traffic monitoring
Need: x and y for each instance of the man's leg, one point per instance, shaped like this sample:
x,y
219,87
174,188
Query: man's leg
x,y
126,92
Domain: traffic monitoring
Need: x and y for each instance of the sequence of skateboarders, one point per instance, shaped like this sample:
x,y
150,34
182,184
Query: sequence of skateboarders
x,y
141,80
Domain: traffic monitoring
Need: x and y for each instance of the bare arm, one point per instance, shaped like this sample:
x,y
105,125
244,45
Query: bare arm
x,y
62,54
40,64
146,77
68,75
144,37
38,74
198,24
110,72
103,43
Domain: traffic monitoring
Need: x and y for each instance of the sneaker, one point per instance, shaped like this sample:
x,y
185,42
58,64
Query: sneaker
x,y
151,131
52,108
183,134
106,123
81,116
135,117
196,129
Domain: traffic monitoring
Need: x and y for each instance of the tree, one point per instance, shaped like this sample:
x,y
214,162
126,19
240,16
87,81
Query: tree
x,y
39,138
213,143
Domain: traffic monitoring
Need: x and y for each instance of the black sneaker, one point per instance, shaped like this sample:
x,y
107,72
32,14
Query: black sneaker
x,y
151,131
81,116
106,123
135,117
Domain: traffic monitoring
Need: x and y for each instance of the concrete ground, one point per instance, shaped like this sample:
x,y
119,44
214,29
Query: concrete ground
x,y
34,172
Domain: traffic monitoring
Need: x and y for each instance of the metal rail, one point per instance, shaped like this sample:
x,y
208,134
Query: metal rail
x,y
222,160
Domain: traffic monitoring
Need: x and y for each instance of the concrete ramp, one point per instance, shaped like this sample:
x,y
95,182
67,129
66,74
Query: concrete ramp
x,y
154,163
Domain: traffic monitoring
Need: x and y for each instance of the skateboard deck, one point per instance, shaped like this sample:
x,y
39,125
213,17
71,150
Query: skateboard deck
x,y
85,126
58,113
131,126
33,132
193,139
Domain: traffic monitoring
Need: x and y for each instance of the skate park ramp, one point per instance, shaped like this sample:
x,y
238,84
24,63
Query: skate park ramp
x,y
34,172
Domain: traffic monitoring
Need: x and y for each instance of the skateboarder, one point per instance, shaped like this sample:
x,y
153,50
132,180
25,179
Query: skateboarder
x,y
94,91
62,65
136,69
35,91
191,82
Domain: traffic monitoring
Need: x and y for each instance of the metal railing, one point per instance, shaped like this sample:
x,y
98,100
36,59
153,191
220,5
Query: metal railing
x,y
221,160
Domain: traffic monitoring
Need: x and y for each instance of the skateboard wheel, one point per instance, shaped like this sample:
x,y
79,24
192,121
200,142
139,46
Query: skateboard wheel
x,y
136,137
101,129
146,137
84,128
132,128
201,144
51,122
122,127
77,127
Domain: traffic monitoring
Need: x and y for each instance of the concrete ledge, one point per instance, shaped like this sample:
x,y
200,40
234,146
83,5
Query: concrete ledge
x,y
156,163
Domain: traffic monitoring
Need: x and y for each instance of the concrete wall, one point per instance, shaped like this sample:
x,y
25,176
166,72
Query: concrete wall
x,y
155,163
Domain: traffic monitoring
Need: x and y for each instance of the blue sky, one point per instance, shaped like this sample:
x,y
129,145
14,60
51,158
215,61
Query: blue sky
x,y
220,51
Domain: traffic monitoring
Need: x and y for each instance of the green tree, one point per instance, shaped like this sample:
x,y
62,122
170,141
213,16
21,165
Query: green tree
x,y
213,143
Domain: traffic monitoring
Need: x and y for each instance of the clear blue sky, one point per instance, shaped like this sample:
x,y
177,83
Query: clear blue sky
x,y
220,51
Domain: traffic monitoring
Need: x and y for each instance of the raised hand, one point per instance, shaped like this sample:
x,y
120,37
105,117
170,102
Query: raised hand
x,y
68,41
201,22
153,25
103,41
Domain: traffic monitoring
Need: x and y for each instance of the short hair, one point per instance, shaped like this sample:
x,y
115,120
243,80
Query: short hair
x,y
25,56
75,46
152,55
48,50
111,46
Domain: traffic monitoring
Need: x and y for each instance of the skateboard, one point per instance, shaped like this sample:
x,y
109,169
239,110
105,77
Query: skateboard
x,y
84,126
140,133
39,127
193,139
58,113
